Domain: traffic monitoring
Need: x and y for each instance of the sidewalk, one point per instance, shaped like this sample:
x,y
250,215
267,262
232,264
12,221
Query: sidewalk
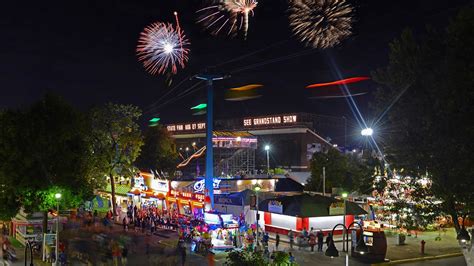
x,y
412,248
448,246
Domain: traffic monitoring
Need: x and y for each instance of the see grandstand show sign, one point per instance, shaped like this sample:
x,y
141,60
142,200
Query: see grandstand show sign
x,y
270,120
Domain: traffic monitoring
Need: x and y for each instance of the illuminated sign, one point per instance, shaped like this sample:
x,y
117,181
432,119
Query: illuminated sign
x,y
275,206
186,127
159,185
270,120
336,208
200,185
186,195
139,183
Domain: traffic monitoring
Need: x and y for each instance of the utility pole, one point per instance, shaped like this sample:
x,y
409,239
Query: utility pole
x,y
345,131
209,179
324,181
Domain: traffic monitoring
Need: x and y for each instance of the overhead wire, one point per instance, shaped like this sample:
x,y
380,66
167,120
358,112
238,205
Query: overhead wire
x,y
184,93
155,104
151,106
270,61
235,59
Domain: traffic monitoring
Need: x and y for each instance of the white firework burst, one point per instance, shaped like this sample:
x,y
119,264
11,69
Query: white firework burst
x,y
231,14
321,23
162,48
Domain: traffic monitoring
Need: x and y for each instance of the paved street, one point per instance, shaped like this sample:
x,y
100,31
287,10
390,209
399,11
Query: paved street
x,y
86,244
456,261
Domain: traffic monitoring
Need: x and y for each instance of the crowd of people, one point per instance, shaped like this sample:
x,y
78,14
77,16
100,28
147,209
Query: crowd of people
x,y
305,239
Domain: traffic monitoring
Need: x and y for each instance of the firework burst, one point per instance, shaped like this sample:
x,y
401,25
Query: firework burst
x,y
227,15
321,23
162,48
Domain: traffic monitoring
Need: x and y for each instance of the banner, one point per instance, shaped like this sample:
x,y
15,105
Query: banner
x,y
336,208
275,206
225,200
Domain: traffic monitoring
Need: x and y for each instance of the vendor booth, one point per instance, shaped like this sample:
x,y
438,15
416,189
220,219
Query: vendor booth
x,y
222,229
306,211
185,203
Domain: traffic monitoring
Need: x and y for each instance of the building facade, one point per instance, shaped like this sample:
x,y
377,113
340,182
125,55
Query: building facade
x,y
292,140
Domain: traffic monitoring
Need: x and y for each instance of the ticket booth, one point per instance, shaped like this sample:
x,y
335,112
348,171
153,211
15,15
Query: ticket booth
x,y
376,242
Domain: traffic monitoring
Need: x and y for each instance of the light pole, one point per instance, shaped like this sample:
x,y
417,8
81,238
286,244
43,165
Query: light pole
x,y
257,189
345,131
344,196
267,149
209,182
361,247
58,197
367,132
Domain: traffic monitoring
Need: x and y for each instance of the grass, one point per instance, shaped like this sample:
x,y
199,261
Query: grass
x,y
15,243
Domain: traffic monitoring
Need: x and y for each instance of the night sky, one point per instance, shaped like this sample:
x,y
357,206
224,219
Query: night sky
x,y
85,51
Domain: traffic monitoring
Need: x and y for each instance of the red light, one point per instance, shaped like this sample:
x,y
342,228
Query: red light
x,y
338,82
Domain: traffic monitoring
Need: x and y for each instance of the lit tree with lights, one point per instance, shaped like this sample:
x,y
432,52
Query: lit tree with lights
x,y
431,121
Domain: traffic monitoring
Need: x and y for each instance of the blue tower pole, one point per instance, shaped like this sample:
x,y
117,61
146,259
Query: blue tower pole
x,y
209,182
209,179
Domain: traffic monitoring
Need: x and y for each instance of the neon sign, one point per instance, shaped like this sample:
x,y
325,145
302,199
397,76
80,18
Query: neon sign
x,y
186,127
199,186
270,120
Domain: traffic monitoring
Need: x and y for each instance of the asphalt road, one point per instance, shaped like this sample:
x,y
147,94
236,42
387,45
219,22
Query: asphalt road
x,y
455,261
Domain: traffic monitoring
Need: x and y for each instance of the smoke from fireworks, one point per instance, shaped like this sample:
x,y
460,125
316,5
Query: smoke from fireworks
x,y
162,48
320,23
227,15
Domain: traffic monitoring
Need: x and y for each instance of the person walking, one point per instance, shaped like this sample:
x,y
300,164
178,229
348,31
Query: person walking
x,y
124,223
320,237
124,255
3,251
312,241
291,237
292,258
183,254
277,241
329,239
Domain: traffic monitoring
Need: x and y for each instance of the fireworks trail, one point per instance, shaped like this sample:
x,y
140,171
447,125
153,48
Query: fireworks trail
x,y
178,29
162,48
321,23
227,13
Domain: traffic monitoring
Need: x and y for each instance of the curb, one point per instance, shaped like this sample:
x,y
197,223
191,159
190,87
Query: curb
x,y
437,257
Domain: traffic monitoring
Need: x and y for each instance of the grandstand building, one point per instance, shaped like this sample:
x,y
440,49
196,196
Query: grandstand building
x,y
239,143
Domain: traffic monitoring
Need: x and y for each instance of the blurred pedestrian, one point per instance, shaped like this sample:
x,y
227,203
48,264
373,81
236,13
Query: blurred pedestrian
x,y
320,237
183,254
292,258
312,241
3,252
124,223
210,258
329,239
124,255
291,237
277,241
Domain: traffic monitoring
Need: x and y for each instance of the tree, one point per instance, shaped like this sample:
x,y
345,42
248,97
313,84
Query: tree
x,y
245,258
362,169
335,164
159,151
117,140
351,172
409,199
431,125
44,150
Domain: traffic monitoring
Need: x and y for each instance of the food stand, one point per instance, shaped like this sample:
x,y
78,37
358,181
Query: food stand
x,y
222,229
